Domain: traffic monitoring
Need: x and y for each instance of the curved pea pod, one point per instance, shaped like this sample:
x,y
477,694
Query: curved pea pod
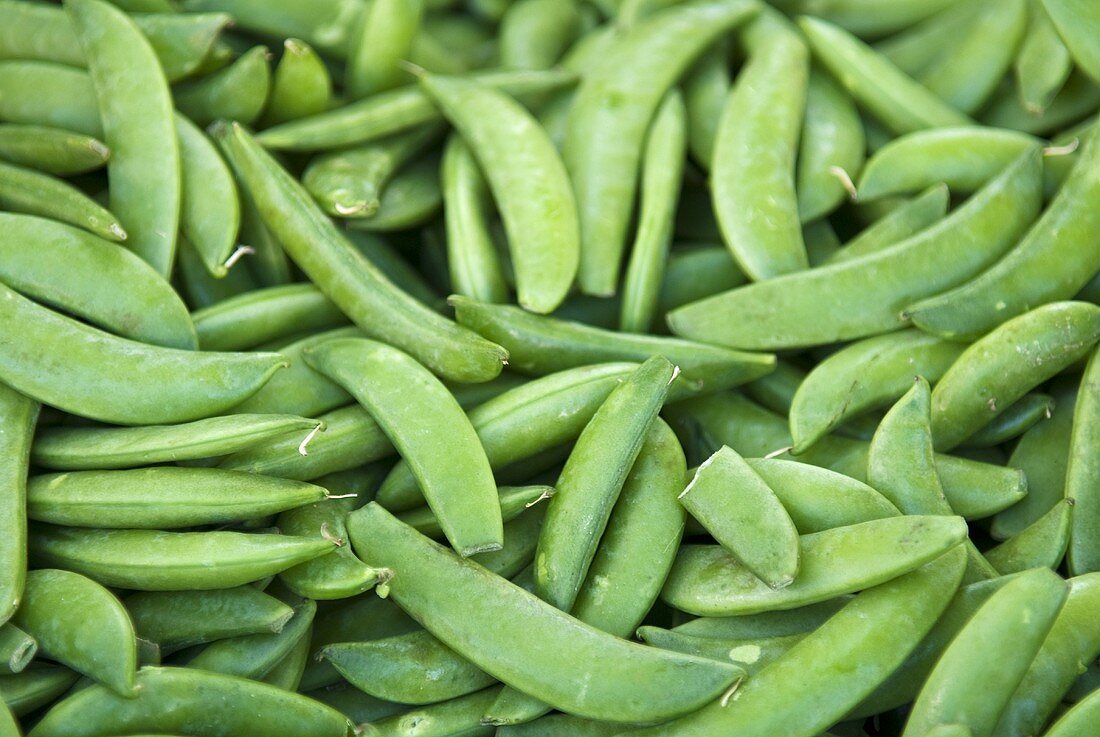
x,y
528,181
705,87
179,619
18,415
745,516
903,222
832,138
783,623
461,716
254,656
34,193
390,112
48,94
609,117
356,705
144,168
37,686
894,98
513,501
414,668
17,649
383,38
541,345
287,673
210,209
264,315
347,278
865,375
1020,416
1007,363
561,725
443,453
52,150
161,497
752,655
92,448
1079,720
412,198
200,288
81,274
1054,259
454,599
1022,613
1078,24
192,701
535,33
708,581
9,727
149,560
1076,100
238,92
836,665
82,625
1042,543
327,24
300,85
866,296
753,166
1081,474
1043,63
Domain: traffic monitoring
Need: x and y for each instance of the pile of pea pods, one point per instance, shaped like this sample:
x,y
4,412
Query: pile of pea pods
x,y
549,368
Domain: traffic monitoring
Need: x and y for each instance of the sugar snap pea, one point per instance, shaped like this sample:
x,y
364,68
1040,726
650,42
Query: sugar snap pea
x,y
832,138
1074,102
37,686
693,273
411,199
535,33
209,203
865,296
1081,472
454,599
351,282
17,649
1042,543
150,560
82,625
513,501
136,107
912,50
905,221
46,94
1020,416
383,38
1077,23
18,415
52,150
609,117
179,619
750,654
1043,62
705,88
35,193
237,92
263,315
300,85
459,716
756,626
1083,717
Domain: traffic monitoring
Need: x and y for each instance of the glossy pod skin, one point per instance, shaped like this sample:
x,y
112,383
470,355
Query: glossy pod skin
x,y
52,150
1004,365
1077,24
832,136
1020,416
145,384
346,277
264,315
34,193
1041,544
82,625
150,560
300,85
603,140
45,94
18,415
454,599
1084,716
866,296
210,209
136,108
35,687
905,221
1081,474
236,92
529,184
384,37
192,701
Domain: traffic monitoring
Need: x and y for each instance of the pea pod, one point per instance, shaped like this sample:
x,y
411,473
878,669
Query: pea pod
x,y
832,138
18,415
1043,62
609,117
179,619
1004,365
1076,100
149,560
237,92
914,49
411,199
82,625
264,315
753,169
866,296
1042,543
42,93
1083,555
907,220
136,108
1077,24
287,673
356,705
300,86
695,273
453,599
1014,421
351,282
35,687
759,626
209,204
535,33
191,700
513,501
751,654
52,150
836,665
254,656
34,193
1078,720
459,716
384,38
561,725
17,649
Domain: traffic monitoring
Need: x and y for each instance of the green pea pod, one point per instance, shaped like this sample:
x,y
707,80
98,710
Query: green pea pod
x,y
52,150
136,108
42,93
1077,23
1020,416
391,112
536,648
264,315
1076,100
758,626
149,560
82,625
986,53
694,273
895,99
1052,261
708,581
528,181
535,33
18,415
210,206
411,199
915,48
1043,543
287,673
17,649
905,221
521,537
1043,62
38,686
1022,612
1084,552
238,92
413,668
326,24
390,262
350,281
661,172
752,654
753,169
191,700
1004,365
34,193
705,88
836,665
472,260
200,287
866,296
91,448
745,516
611,113
356,705
8,726
561,725
253,656
459,716
162,497
383,39
179,619
1079,720
300,86
513,501
541,345
832,139
865,375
